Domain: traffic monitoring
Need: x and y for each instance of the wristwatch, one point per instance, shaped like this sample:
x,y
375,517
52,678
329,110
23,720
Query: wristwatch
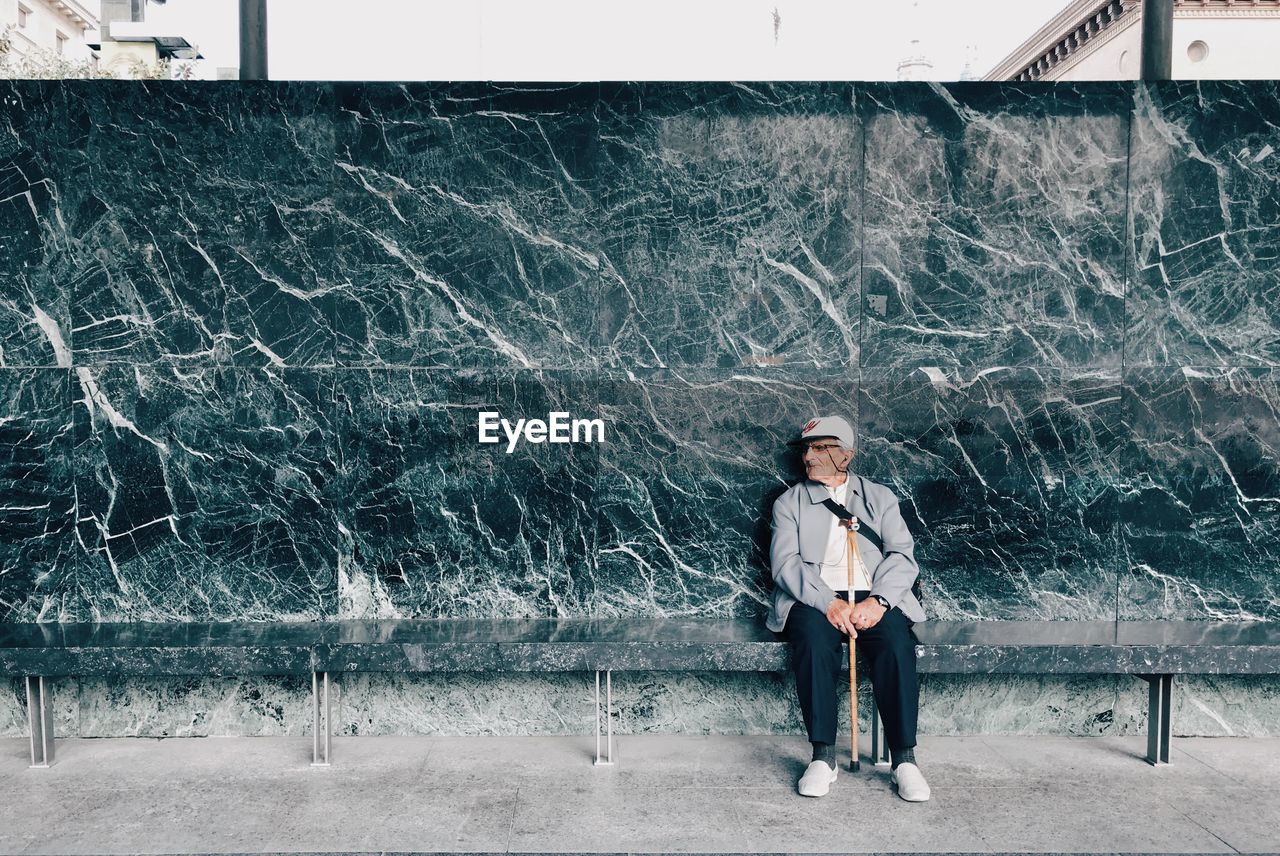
x,y
881,599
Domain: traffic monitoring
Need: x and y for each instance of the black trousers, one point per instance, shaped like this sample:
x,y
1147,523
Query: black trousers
x,y
889,650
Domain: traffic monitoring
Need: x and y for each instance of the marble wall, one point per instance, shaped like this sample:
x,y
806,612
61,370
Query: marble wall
x,y
246,331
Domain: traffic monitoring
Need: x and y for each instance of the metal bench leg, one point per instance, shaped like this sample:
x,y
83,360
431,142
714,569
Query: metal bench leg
x,y
608,719
320,727
879,748
1159,715
40,717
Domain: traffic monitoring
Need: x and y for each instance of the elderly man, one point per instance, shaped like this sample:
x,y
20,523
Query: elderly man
x,y
813,606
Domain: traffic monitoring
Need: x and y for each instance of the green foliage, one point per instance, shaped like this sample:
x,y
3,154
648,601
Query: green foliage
x,y
44,64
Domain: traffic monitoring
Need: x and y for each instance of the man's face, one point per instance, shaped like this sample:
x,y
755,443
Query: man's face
x,y
824,459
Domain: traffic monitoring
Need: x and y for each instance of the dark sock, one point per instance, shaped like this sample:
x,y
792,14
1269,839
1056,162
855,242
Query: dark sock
x,y
900,756
825,752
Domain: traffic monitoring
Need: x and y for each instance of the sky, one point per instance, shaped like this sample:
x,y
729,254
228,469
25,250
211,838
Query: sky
x,y
611,39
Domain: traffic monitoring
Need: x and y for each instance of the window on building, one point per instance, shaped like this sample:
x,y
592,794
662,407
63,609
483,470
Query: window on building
x,y
62,43
23,14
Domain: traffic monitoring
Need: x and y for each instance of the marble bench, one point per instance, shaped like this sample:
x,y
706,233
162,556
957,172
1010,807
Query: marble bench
x,y
1154,651
36,652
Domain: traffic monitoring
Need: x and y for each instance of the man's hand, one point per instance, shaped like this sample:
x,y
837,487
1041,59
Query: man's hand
x,y
840,614
866,613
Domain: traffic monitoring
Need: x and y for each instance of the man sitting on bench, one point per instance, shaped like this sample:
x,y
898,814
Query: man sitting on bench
x,y
813,606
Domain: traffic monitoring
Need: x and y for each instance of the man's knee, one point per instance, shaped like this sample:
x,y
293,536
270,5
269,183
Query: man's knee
x,y
804,624
811,635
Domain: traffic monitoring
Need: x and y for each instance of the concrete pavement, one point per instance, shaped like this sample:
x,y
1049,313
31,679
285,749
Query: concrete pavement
x,y
666,793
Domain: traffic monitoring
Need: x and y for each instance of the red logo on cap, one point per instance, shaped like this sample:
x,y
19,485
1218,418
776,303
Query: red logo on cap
x,y
813,423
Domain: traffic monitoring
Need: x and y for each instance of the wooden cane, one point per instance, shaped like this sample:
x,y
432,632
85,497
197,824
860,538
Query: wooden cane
x,y
853,656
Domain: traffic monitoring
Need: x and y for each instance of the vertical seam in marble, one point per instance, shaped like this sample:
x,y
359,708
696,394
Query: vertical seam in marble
x,y
334,610
1129,261
858,117
600,385
595,344
331,196
334,607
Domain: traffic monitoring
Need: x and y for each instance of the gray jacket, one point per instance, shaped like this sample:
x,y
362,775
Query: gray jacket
x,y
801,524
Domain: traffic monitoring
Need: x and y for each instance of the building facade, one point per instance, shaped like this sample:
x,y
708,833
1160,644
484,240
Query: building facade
x,y
129,43
58,26
1102,40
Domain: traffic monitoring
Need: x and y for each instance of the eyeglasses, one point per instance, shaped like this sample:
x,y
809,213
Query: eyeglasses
x,y
823,447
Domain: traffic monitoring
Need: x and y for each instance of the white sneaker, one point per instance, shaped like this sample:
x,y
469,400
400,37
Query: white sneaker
x,y
910,781
817,780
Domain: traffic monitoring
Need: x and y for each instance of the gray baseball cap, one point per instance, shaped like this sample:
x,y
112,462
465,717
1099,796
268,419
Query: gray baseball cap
x,y
825,426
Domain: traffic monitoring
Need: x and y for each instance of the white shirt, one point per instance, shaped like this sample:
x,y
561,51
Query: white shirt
x,y
835,564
